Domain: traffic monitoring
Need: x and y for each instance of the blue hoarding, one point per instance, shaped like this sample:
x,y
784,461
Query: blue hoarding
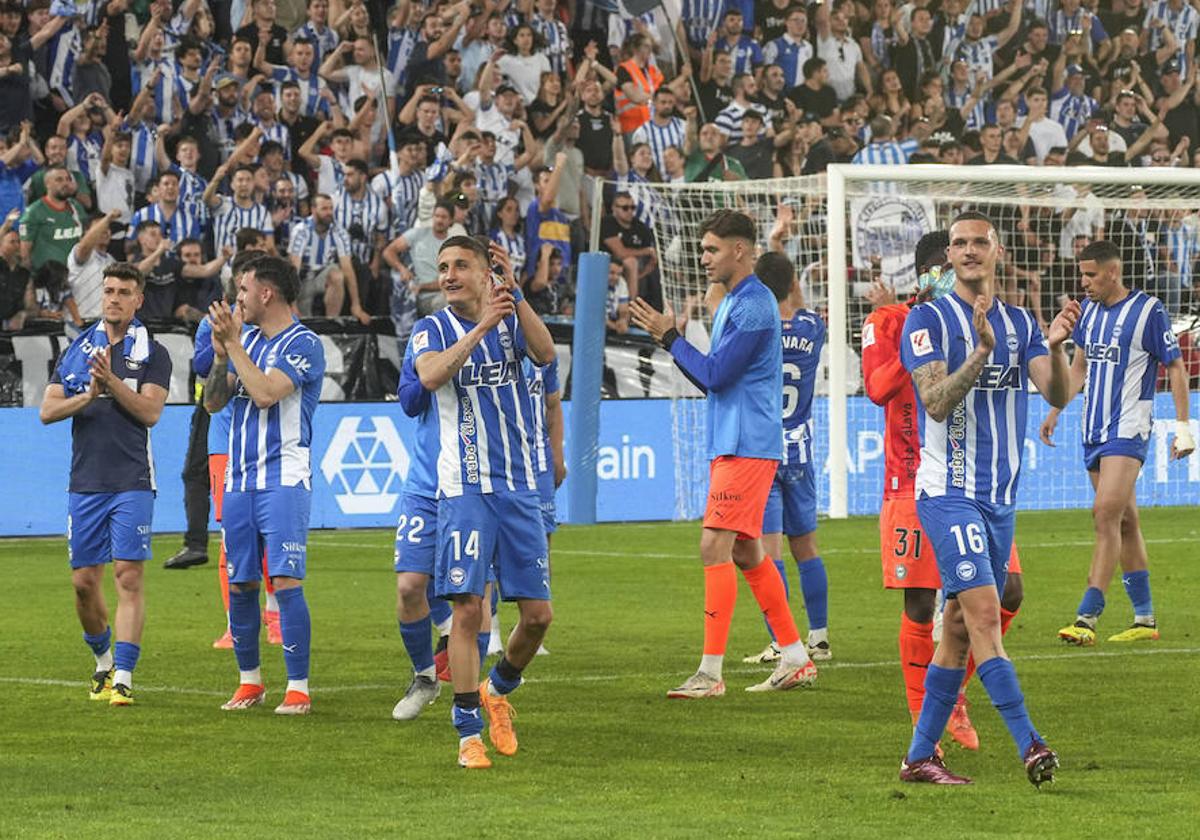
x,y
361,455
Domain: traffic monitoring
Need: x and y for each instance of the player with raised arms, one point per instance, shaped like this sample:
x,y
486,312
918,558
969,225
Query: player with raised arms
x,y
272,373
792,503
971,358
907,555
468,356
112,382
742,376
1121,338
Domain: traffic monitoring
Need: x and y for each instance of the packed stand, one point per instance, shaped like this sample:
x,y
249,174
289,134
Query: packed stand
x,y
354,139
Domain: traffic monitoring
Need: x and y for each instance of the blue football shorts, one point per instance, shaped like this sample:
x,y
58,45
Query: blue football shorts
x,y
972,540
275,520
102,527
492,532
545,483
416,534
1130,447
792,503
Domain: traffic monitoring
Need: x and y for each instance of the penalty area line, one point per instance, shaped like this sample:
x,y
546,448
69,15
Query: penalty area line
x,y
603,678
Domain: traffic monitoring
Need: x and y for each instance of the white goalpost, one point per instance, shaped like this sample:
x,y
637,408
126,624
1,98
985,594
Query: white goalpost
x,y
851,233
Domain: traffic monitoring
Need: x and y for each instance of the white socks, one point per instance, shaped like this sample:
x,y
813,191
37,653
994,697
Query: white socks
x,y
250,677
298,685
711,664
125,678
104,661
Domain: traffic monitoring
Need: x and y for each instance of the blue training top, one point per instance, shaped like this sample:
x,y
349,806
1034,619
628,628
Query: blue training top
x,y
742,374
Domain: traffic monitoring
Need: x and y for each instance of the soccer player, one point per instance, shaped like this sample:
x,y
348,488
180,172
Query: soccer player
x,y
468,356
742,375
1121,338
416,547
112,381
792,503
908,559
272,373
218,460
971,358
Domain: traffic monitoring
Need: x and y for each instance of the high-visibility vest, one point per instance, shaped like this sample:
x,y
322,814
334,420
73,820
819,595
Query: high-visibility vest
x,y
633,116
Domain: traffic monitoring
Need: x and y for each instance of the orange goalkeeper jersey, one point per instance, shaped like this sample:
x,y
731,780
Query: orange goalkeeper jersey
x,y
888,384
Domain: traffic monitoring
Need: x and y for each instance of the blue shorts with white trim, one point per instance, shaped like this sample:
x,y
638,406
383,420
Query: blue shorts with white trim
x,y
1129,447
972,540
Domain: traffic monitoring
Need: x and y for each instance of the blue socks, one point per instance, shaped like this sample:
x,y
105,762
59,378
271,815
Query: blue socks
x,y
505,677
941,693
125,656
439,608
99,643
245,622
814,583
416,636
1092,603
482,640
1137,587
999,678
296,628
465,714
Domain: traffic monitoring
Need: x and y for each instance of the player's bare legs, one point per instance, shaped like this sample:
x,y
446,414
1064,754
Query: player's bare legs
x,y
533,621
89,599
464,648
131,603
1118,541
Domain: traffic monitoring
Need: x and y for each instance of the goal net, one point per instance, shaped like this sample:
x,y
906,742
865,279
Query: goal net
x,y
851,235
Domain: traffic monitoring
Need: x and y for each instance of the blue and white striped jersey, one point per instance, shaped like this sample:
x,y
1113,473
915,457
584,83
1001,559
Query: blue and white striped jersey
x,y
790,55
978,54
543,380
278,132
404,193
318,249
143,159
558,42
701,17
660,137
976,451
62,52
311,103
956,99
191,189
889,152
493,180
483,416
229,217
83,156
1123,344
1184,24
515,245
225,127
270,448
363,218
180,225
168,93
323,41
1183,246
1070,111
803,338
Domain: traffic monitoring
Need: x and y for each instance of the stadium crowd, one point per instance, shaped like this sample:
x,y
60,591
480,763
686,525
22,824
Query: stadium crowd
x,y
354,138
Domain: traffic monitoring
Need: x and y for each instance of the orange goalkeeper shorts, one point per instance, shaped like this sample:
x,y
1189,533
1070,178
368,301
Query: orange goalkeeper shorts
x,y
216,481
737,494
907,554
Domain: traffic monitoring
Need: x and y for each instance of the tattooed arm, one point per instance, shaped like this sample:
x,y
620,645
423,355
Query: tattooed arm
x,y
218,386
941,392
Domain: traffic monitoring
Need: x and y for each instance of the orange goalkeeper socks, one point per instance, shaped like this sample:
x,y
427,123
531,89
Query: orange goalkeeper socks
x,y
720,594
767,586
916,652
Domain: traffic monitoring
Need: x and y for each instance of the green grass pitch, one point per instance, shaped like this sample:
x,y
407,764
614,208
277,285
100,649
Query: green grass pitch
x,y
603,753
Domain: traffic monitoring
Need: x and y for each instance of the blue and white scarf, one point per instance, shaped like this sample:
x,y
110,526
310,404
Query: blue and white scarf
x,y
74,368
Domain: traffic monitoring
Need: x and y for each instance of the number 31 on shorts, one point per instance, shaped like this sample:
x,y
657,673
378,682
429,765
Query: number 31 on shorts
x,y
906,539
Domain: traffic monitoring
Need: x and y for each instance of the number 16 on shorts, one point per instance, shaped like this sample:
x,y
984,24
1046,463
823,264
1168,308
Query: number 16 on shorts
x,y
971,539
